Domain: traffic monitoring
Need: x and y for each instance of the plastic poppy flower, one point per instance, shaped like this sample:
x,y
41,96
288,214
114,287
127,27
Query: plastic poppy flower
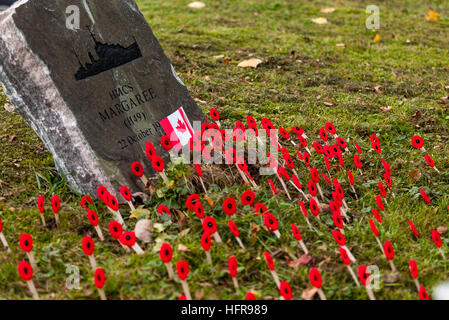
x,y
288,160
326,162
251,121
238,134
182,297
350,177
336,218
150,150
233,228
423,293
137,169
86,201
315,278
272,186
413,268
333,206
101,192
232,266
323,134
379,203
429,160
363,275
318,148
41,203
296,232
191,201
55,204
182,267
229,206
357,161
166,143
270,221
166,252
100,278
329,126
344,256
340,160
25,271
206,241
214,114
284,134
283,173
328,152
199,210
436,238
260,208
26,242
248,197
93,217
303,208
425,196
158,164
326,178
306,157
115,229
128,238
269,260
339,237
162,209
299,154
88,245
113,203
1,226
314,174
312,188
389,250
412,227
357,147
417,142
285,290
126,194
375,143
386,166
250,296
377,215
341,143
314,207
209,225
382,190
387,179
373,227
296,181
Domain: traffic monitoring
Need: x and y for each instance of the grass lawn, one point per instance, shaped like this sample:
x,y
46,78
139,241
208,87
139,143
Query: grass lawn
x,y
310,74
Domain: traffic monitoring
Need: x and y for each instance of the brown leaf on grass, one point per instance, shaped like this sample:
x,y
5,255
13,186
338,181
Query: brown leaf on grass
x,y
416,116
253,63
210,201
199,294
309,293
328,103
414,175
377,88
386,109
391,277
11,138
327,10
196,5
303,260
183,248
320,20
182,221
432,15
254,229
227,60
442,229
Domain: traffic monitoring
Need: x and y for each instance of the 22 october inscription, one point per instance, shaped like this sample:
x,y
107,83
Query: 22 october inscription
x,y
129,106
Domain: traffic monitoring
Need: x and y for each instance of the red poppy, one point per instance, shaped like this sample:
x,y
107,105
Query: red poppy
x,y
382,190
315,278
326,178
269,260
306,157
296,181
250,296
412,227
329,126
1,226
377,215
359,150
26,242
373,228
25,271
341,143
100,278
128,238
429,160
425,196
115,229
93,217
357,161
328,152
318,148
389,250
380,203
199,210
413,268
363,275
233,228
299,154
238,134
191,201
182,297
251,121
297,130
166,143
247,198
126,194
272,186
338,221
214,114
387,179
161,209
206,241
312,188
344,256
182,267
335,149
285,290
113,203
241,163
229,206
270,221
303,208
339,237
314,207
296,232
340,160
333,206
288,160
55,204
314,174
283,173
209,225
323,134
166,253
85,201
232,266
101,192
436,238
375,143
41,203
158,164
417,142
423,293
88,245
284,134
338,188
137,169
240,125
150,150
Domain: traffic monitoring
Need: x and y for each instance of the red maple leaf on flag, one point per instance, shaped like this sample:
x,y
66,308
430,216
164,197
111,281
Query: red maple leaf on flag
x,y
181,127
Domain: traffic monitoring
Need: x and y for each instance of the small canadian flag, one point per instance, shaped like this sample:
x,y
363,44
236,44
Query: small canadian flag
x,y
178,128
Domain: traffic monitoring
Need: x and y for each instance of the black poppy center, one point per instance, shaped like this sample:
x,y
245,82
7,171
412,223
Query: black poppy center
x,y
270,221
167,252
137,169
210,225
248,198
26,243
88,245
128,237
230,205
115,229
182,270
25,270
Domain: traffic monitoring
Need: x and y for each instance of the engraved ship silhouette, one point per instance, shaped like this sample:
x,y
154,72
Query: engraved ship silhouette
x,y
110,57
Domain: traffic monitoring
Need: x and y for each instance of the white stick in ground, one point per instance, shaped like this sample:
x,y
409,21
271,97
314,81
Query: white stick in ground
x,y
276,278
353,275
169,267
33,290
208,257
321,294
303,246
164,177
239,241
93,262
43,220
236,283
99,232
33,263
277,234
202,184
217,237
351,257
320,191
102,294
137,248
284,186
299,190
442,253
4,242
380,245
131,206
370,293
417,284
186,289
57,220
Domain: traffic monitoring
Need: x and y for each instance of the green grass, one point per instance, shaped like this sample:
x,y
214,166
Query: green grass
x,y
302,69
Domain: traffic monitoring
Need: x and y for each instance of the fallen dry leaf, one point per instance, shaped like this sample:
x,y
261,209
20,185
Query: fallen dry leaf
x,y
414,175
376,38
143,230
196,5
9,107
199,294
391,277
442,229
210,201
386,108
327,10
432,15
253,63
183,248
319,20
416,116
309,293
377,89
303,260
328,104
